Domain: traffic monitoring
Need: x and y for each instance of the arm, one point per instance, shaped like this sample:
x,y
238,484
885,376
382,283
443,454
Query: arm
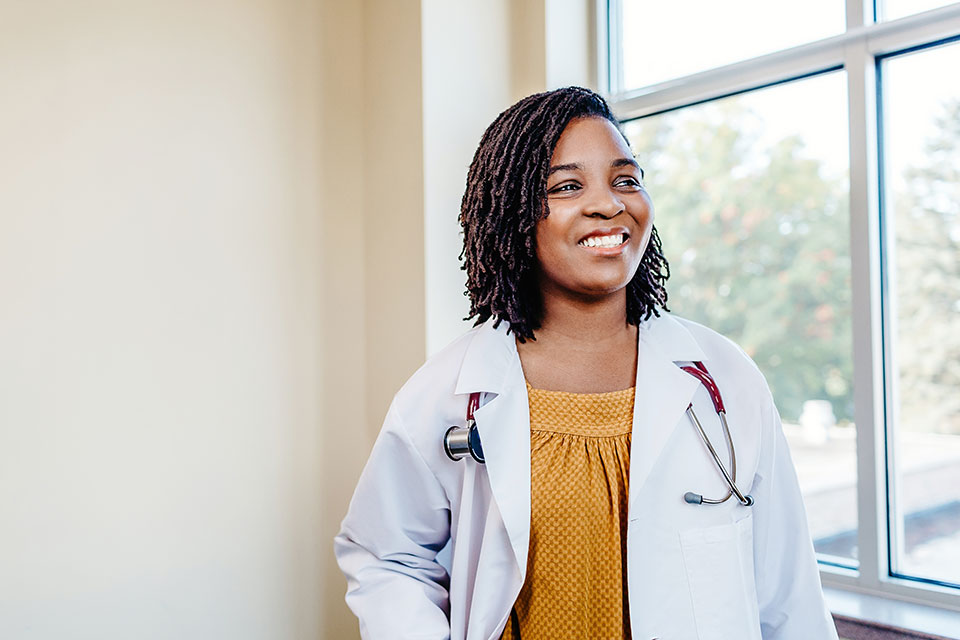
x,y
399,518
787,575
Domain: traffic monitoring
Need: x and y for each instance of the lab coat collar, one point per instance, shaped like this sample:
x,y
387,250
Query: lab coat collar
x,y
488,359
493,351
492,365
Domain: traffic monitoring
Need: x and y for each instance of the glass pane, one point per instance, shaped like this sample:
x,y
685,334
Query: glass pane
x,y
752,206
922,206
893,9
665,40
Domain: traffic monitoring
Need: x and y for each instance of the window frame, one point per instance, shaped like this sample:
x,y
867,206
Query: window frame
x,y
860,51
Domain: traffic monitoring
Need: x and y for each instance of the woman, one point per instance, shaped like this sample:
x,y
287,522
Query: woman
x,y
581,397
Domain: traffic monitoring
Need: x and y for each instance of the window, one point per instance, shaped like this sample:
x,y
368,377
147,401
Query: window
x,y
893,9
723,32
752,206
921,206
804,162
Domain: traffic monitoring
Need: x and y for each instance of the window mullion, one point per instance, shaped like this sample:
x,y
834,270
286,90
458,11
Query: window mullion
x,y
604,49
865,256
611,12
859,13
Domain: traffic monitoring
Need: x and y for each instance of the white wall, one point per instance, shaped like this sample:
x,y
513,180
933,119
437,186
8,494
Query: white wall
x,y
466,83
159,314
479,57
570,43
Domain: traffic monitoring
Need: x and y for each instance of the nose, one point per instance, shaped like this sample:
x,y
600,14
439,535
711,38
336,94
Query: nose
x,y
605,204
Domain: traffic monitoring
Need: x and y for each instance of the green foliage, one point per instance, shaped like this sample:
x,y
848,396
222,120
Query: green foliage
x,y
757,235
926,219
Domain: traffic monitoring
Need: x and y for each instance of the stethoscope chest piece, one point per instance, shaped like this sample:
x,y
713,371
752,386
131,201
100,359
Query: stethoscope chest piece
x,y
458,442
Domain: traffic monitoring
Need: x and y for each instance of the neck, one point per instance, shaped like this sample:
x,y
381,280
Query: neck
x,y
585,323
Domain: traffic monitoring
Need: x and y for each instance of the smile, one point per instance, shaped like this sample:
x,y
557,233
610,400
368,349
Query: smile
x,y
613,240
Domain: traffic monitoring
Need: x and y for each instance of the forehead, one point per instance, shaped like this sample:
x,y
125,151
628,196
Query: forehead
x,y
584,138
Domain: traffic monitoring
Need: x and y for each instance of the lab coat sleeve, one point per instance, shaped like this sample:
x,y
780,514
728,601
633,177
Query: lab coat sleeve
x,y
398,520
787,576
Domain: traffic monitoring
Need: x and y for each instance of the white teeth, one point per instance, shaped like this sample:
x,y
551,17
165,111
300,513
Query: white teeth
x,y
603,241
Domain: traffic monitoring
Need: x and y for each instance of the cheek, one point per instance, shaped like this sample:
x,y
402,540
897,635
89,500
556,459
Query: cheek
x,y
555,260
642,210
549,239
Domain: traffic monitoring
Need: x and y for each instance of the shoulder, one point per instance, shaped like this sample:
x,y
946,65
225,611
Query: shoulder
x,y
746,394
428,403
438,374
720,349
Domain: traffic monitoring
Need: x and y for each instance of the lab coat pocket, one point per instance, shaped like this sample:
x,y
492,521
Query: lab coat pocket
x,y
719,566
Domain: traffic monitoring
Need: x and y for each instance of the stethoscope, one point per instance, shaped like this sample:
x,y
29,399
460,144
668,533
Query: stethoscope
x,y
698,371
459,442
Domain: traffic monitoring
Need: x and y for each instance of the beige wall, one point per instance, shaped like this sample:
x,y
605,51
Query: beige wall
x,y
159,283
346,420
227,235
373,251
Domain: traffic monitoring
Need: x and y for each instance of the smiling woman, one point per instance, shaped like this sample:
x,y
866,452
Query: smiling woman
x,y
599,252
527,166
575,518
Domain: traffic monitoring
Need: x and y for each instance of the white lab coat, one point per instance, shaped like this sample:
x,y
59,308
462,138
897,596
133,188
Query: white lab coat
x,y
437,549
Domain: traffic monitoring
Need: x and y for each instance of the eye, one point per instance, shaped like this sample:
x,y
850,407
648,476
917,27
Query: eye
x,y
628,181
568,186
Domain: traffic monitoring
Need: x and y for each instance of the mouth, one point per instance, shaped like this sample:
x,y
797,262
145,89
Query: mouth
x,y
608,241
612,240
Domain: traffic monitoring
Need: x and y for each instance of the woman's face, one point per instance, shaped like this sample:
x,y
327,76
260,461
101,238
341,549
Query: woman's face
x,y
600,217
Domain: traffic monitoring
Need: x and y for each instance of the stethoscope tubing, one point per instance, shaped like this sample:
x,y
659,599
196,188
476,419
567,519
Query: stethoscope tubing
x,y
730,478
699,371
460,442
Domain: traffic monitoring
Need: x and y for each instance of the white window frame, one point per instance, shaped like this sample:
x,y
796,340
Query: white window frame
x,y
858,50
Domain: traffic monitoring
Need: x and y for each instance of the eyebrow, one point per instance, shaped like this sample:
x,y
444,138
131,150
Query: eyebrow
x,y
625,162
575,166
564,167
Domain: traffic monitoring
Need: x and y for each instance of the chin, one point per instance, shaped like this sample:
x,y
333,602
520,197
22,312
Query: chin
x,y
603,288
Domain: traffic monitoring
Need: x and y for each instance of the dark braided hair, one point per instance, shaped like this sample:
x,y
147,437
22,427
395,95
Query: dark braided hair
x,y
504,200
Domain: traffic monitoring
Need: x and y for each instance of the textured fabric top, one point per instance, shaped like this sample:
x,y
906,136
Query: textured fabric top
x,y
576,585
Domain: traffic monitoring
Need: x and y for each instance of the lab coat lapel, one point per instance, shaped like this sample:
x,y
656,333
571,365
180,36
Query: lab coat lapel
x,y
663,392
492,366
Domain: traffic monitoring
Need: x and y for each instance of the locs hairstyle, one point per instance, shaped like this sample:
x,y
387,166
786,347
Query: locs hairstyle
x,y
506,196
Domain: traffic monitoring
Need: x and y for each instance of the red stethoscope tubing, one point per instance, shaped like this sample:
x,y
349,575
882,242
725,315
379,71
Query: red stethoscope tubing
x,y
472,405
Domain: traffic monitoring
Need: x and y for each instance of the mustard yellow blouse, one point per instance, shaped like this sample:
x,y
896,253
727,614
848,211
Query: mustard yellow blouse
x,y
576,583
